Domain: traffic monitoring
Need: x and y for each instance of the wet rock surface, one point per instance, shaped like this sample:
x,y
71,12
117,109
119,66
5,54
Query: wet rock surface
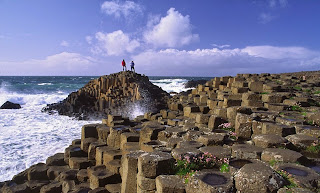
x,y
10,105
267,125
194,83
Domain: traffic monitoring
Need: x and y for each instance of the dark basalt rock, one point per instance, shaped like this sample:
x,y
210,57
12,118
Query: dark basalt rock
x,y
10,105
120,93
194,83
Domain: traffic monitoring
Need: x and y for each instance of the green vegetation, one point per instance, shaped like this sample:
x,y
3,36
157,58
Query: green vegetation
x,y
273,162
297,88
304,114
278,82
296,108
288,177
313,148
310,122
307,90
225,167
231,130
188,165
265,93
317,92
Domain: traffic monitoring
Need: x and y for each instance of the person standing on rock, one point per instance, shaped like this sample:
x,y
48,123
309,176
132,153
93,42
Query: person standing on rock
x,y
132,66
124,65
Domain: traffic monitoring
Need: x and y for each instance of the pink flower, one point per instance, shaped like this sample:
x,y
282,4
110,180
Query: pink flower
x,y
187,158
227,125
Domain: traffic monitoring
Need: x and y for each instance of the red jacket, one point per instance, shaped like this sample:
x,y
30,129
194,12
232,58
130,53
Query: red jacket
x,y
123,63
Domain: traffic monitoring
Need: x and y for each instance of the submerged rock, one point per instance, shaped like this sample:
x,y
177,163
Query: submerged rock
x,y
123,93
10,105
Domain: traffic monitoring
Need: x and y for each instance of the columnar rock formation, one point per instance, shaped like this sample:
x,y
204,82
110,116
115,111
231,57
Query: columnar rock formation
x,y
119,93
275,117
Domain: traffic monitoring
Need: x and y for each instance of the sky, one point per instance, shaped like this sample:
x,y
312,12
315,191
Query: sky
x,y
163,37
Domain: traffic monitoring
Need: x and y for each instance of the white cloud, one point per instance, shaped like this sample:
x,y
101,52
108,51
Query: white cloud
x,y
278,3
64,43
127,9
89,39
216,62
153,20
272,52
67,60
173,30
272,7
115,43
265,18
283,3
221,46
64,63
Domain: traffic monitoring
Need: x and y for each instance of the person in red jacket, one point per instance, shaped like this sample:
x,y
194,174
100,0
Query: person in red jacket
x,y
124,65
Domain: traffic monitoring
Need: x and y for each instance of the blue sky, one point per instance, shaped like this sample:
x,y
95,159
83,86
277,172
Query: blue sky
x,y
176,38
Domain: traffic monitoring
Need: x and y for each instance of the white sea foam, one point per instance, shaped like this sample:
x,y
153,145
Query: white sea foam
x,y
171,85
45,83
29,136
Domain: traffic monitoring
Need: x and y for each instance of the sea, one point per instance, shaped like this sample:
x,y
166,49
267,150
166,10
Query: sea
x,y
29,136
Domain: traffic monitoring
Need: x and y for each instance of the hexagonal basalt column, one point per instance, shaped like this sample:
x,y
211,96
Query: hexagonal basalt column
x,y
281,155
150,165
114,137
170,183
101,178
258,177
244,151
129,165
269,140
150,131
210,181
303,176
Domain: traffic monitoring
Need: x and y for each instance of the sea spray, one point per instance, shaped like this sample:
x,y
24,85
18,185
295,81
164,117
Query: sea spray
x,y
171,85
29,136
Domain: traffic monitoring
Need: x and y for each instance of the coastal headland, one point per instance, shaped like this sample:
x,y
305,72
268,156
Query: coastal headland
x,y
248,133
120,93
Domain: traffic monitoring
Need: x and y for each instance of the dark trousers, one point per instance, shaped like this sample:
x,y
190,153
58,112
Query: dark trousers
x,y
124,68
132,69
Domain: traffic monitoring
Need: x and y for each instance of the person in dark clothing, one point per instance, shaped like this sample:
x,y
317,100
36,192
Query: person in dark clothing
x,y
132,66
124,67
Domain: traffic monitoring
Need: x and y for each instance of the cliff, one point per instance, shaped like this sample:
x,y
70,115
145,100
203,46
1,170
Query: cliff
x,y
122,93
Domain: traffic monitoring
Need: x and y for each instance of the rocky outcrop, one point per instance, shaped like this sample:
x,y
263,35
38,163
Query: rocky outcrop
x,y
10,105
264,124
121,93
194,83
